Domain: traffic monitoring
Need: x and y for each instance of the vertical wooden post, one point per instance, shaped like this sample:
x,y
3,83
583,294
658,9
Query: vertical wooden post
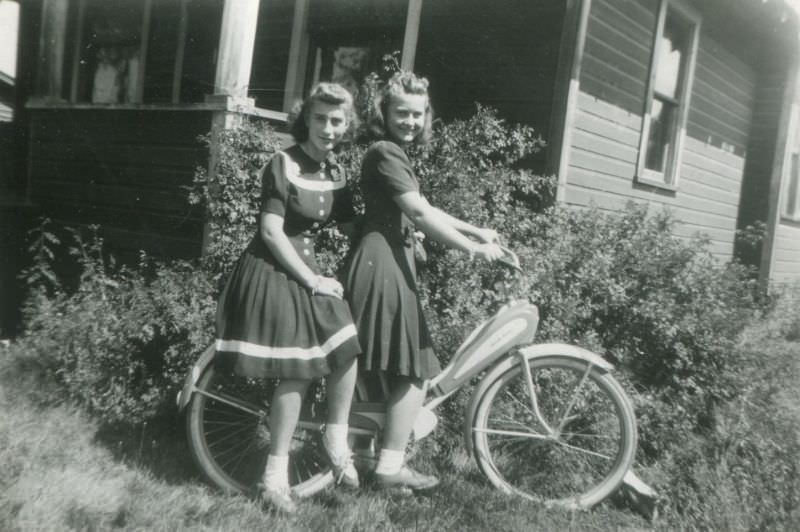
x,y
411,35
76,53
52,41
787,125
177,73
567,88
147,12
234,61
236,42
298,55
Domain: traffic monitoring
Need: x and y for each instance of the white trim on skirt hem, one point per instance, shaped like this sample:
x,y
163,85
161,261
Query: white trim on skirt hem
x,y
287,353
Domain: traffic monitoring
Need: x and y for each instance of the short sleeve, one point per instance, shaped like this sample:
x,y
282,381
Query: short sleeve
x,y
274,186
393,169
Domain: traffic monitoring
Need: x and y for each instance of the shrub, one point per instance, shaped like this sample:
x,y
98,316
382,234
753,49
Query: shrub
x,y
742,475
231,196
121,343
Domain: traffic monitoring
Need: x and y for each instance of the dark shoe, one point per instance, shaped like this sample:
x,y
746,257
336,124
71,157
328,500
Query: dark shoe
x,y
344,471
278,498
407,478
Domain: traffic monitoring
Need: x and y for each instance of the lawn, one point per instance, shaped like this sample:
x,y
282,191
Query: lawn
x,y
62,470
59,470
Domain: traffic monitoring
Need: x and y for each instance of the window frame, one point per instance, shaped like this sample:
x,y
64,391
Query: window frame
x,y
669,178
792,179
147,10
300,40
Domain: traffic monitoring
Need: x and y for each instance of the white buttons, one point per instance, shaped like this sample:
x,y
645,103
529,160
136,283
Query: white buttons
x,y
321,212
306,252
306,240
315,225
322,165
322,199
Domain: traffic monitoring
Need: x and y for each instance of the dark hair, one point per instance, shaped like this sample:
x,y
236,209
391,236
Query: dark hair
x,y
325,92
400,83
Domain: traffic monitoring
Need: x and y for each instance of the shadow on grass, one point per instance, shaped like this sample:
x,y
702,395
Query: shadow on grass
x,y
158,446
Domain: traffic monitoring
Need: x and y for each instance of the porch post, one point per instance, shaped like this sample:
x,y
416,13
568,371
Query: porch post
x,y
234,61
411,35
573,40
52,41
236,41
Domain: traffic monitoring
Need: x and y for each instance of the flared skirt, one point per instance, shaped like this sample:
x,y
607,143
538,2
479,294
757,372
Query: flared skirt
x,y
381,288
268,325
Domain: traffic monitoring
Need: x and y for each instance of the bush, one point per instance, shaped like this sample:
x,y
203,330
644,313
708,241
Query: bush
x,y
741,475
122,341
231,197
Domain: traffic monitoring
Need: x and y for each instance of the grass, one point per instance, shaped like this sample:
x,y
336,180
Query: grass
x,y
61,470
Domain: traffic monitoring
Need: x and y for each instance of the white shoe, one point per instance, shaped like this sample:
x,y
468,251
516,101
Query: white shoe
x,y
344,471
279,498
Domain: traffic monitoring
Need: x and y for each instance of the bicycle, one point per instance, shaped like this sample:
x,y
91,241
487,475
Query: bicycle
x,y
547,422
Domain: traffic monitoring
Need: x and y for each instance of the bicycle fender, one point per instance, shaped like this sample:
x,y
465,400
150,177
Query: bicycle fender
x,y
540,350
193,376
529,352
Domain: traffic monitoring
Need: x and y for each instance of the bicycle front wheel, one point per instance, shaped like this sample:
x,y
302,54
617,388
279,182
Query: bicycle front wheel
x,y
229,435
559,431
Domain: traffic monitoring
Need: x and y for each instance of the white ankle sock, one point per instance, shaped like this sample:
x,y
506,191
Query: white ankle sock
x,y
276,474
336,439
389,462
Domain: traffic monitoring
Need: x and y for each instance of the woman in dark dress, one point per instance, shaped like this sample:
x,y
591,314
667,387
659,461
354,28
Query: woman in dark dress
x,y
381,277
277,316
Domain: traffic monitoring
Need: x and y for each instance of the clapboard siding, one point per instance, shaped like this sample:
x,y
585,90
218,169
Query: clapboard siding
x,y
606,128
786,257
123,169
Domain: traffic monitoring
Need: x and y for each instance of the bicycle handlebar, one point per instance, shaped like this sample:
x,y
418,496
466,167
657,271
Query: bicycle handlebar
x,y
510,259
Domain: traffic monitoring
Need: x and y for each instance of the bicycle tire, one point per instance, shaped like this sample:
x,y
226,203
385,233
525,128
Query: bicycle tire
x,y
229,436
594,447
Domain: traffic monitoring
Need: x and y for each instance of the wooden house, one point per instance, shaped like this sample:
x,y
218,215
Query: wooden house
x,y
687,104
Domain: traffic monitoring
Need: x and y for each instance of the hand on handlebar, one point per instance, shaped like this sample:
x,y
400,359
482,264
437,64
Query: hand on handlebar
x,y
488,251
327,286
488,236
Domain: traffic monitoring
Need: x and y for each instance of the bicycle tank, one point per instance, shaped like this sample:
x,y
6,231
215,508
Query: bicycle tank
x,y
513,324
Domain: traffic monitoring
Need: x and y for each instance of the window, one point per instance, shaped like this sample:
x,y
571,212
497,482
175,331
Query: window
x,y
667,102
153,51
299,43
9,27
791,208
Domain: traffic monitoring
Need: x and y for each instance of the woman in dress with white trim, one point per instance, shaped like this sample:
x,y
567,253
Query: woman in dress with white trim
x,y
278,317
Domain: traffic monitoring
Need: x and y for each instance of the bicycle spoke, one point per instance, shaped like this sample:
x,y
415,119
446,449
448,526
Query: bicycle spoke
x,y
579,456
229,435
585,451
245,452
574,395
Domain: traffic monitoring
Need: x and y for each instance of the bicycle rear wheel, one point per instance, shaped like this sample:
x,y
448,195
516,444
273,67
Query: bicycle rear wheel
x,y
575,452
229,435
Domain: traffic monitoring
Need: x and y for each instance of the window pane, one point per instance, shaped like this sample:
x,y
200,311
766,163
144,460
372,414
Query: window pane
x,y
110,65
271,53
672,52
9,27
792,199
161,49
659,143
349,37
204,21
